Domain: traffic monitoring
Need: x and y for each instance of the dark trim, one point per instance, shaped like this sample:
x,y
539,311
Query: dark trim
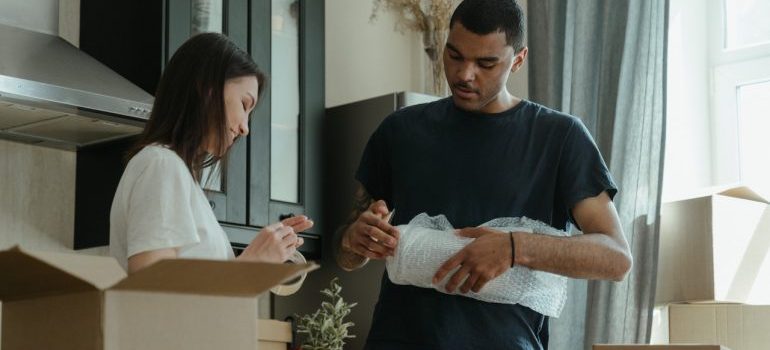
x,y
231,204
178,20
311,86
259,139
312,69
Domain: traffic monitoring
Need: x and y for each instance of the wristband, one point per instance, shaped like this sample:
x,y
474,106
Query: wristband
x,y
513,249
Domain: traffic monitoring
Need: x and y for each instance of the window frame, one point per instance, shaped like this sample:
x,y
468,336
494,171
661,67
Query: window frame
x,y
730,69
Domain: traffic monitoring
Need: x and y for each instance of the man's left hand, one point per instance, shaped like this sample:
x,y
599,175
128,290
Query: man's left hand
x,y
488,256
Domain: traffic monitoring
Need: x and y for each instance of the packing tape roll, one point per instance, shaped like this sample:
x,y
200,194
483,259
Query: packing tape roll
x,y
292,286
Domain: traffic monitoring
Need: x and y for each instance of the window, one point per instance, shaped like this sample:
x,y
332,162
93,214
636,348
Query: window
x,y
718,129
745,23
753,111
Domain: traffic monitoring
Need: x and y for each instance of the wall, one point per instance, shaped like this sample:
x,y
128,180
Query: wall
x,y
39,15
366,59
38,196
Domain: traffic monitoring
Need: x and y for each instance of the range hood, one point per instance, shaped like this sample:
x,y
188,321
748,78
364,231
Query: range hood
x,y
52,94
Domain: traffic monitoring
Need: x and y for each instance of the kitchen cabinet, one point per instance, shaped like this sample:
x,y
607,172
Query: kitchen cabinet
x,y
274,172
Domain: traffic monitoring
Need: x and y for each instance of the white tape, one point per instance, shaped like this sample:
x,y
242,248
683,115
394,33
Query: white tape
x,y
292,286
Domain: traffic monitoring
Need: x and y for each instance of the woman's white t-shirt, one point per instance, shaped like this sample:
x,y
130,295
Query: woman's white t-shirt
x,y
159,205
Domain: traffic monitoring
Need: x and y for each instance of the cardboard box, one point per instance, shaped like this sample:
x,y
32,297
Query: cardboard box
x,y
737,326
659,347
274,335
69,301
715,248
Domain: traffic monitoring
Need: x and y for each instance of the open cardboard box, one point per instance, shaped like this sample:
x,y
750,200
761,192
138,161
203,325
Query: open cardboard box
x,y
715,247
70,301
737,326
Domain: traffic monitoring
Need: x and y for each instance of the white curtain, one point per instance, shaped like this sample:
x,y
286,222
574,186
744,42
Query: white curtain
x,y
604,61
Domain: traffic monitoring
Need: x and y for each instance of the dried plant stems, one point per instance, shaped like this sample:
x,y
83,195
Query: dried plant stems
x,y
429,17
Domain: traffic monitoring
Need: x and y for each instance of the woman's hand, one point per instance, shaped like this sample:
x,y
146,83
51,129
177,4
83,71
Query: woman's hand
x,y
276,243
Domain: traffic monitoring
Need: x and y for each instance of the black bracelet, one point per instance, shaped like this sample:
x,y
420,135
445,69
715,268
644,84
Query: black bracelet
x,y
513,249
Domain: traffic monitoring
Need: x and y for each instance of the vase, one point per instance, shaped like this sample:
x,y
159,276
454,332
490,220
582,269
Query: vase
x,y
434,42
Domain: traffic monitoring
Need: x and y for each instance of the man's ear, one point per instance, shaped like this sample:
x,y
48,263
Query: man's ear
x,y
519,59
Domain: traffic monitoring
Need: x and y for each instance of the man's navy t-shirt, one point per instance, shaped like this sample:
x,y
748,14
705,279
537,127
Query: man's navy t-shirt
x,y
435,158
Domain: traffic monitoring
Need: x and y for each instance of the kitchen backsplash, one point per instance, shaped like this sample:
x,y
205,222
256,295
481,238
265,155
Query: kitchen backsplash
x,y
37,198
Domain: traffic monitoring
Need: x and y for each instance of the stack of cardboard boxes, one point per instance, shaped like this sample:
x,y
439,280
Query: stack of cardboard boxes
x,y
714,271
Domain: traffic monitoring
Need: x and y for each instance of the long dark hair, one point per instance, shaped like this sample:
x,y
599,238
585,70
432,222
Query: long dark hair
x,y
189,102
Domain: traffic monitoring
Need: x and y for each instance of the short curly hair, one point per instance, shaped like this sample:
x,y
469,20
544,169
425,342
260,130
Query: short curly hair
x,y
487,16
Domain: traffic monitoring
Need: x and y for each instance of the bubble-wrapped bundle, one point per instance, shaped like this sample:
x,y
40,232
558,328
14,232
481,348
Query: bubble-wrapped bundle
x,y
427,242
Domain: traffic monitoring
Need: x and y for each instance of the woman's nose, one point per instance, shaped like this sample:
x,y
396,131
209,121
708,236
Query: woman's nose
x,y
243,127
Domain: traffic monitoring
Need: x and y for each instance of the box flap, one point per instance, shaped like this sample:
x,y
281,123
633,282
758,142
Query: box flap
x,y
100,271
744,192
24,276
730,190
208,277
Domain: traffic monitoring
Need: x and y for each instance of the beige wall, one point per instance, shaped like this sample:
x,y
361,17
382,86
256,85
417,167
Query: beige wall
x,y
39,15
37,198
366,59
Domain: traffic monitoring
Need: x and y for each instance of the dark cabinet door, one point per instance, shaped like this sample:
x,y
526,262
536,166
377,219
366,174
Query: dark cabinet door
x,y
227,193
288,40
268,200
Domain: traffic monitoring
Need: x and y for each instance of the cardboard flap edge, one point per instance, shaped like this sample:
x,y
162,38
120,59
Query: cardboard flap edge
x,y
22,279
212,277
744,192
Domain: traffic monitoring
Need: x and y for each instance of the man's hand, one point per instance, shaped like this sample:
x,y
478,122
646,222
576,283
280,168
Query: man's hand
x,y
371,235
488,256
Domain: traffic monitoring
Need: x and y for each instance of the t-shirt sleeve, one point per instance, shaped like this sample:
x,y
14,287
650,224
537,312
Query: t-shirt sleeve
x,y
582,171
159,211
374,169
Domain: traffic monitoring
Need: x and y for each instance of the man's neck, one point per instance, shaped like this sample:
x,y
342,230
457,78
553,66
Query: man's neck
x,y
505,101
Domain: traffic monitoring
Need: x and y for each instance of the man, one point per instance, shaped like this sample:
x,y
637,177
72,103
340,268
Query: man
x,y
481,154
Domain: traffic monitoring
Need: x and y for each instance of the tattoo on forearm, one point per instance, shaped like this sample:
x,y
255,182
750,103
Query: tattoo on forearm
x,y
349,260
361,202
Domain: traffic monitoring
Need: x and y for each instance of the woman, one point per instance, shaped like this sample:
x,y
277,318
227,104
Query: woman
x,y
201,107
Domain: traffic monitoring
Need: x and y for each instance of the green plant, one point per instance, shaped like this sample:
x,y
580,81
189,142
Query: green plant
x,y
325,329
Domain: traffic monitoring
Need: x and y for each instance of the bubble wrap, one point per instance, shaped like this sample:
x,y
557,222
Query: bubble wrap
x,y
427,242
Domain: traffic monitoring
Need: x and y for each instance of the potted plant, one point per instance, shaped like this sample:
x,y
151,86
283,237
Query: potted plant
x,y
325,329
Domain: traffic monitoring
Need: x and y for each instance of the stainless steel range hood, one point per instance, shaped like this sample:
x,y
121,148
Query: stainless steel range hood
x,y
53,94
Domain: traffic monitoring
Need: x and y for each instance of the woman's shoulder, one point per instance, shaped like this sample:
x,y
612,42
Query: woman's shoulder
x,y
156,157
